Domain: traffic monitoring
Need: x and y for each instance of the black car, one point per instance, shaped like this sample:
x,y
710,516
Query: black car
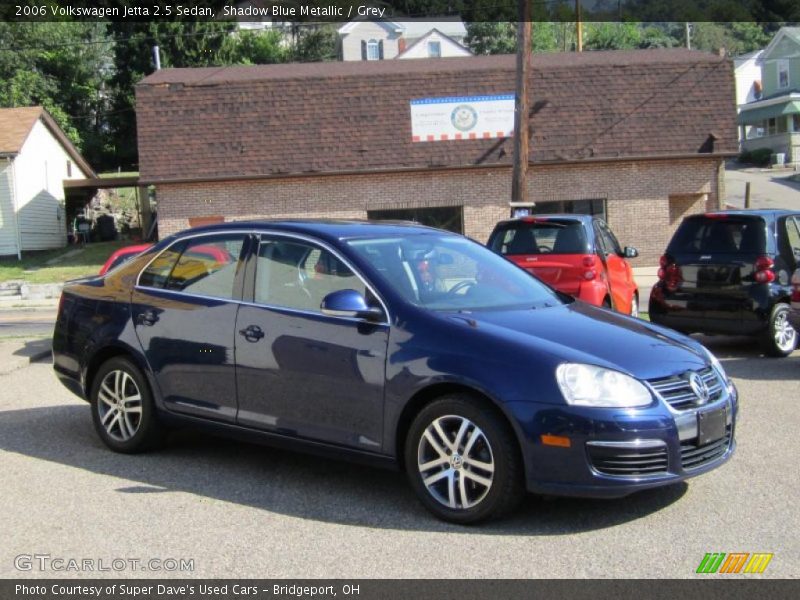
x,y
729,272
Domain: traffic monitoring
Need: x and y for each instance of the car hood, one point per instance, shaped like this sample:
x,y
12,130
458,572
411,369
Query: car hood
x,y
579,332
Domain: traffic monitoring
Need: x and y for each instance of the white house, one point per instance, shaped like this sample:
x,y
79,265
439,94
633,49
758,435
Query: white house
x,y
747,71
35,159
385,40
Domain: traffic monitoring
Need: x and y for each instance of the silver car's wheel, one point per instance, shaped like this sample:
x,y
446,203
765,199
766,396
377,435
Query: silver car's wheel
x,y
455,462
780,338
120,405
462,459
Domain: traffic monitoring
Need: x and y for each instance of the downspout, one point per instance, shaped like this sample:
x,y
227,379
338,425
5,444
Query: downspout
x,y
13,186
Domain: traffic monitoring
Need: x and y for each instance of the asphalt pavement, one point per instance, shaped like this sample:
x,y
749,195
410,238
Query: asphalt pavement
x,y
27,322
240,510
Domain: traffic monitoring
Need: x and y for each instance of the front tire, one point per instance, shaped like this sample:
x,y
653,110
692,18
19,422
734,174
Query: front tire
x,y
780,339
122,407
462,460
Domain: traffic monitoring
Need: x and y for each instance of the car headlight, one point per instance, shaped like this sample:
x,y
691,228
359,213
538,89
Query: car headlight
x,y
587,385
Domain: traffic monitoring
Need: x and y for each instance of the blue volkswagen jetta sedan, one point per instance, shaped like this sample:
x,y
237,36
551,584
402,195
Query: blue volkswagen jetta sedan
x,y
398,345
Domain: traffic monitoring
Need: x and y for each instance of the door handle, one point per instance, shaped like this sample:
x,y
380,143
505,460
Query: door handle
x,y
252,333
148,317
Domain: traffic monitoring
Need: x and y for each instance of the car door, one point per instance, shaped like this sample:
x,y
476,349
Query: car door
x,y
618,272
184,312
300,372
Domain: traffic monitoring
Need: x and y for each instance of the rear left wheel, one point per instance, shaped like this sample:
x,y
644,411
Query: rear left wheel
x,y
122,407
462,461
780,339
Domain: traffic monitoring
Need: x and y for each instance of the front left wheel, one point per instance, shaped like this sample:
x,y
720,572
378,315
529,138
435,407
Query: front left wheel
x,y
462,460
122,407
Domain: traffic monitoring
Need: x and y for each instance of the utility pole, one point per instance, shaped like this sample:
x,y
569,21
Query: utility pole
x,y
157,57
578,27
519,189
688,35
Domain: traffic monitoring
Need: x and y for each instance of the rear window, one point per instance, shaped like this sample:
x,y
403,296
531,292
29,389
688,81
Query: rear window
x,y
726,235
540,237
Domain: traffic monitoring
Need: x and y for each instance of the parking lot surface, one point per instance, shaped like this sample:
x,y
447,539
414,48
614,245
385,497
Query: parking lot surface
x,y
240,510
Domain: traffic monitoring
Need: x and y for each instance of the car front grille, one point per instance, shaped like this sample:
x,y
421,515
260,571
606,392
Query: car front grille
x,y
677,391
628,462
694,456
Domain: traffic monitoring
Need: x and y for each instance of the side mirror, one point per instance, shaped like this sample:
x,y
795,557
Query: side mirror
x,y
349,303
630,252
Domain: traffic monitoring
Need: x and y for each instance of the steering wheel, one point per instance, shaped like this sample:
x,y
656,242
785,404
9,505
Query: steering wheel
x,y
461,285
543,249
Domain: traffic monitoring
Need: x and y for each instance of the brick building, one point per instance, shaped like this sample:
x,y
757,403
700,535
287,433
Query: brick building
x,y
638,136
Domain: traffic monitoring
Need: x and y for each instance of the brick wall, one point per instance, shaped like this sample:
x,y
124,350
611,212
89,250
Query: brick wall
x,y
638,193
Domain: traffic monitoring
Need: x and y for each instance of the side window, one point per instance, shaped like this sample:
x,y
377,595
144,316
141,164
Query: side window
x,y
599,242
207,266
610,239
157,273
299,275
793,235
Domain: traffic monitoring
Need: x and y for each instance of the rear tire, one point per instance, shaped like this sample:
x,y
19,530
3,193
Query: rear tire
x,y
462,460
123,412
780,338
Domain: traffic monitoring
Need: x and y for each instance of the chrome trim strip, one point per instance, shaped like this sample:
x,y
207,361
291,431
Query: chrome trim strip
x,y
638,444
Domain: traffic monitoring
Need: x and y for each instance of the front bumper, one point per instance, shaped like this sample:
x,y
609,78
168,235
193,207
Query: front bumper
x,y
617,453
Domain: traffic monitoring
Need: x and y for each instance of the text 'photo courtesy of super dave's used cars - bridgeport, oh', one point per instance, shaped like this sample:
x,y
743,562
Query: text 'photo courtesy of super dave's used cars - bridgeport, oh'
x,y
397,345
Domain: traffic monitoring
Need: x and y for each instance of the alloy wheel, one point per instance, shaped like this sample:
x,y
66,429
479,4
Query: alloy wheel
x,y
455,461
785,335
119,405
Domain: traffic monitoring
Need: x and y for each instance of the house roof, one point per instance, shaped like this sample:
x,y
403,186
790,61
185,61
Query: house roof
x,y
305,119
17,123
793,33
427,36
412,28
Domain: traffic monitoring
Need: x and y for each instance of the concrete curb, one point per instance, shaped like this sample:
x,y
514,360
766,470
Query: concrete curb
x,y
18,354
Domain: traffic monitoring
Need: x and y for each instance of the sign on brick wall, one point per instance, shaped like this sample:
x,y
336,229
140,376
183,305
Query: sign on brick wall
x,y
462,118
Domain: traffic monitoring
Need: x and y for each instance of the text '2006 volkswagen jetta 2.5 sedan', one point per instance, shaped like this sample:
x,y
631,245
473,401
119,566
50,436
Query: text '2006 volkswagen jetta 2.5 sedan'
x,y
395,344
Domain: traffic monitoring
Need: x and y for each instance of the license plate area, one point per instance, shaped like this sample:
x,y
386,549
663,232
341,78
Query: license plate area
x,y
711,425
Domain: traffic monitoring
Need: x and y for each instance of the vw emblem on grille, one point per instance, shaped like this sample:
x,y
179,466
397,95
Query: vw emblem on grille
x,y
699,387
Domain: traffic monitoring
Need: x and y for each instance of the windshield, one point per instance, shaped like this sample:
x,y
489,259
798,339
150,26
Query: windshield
x,y
452,273
539,237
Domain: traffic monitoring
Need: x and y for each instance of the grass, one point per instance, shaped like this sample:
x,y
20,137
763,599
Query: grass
x,y
33,268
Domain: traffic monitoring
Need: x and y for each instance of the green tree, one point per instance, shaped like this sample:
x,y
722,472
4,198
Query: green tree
x,y
63,67
315,44
253,48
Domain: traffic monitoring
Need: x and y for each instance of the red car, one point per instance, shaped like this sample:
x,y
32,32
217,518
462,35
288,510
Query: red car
x,y
123,255
128,252
575,254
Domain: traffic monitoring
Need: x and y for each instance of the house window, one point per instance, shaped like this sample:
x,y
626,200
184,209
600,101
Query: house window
x,y
772,126
434,49
783,124
373,50
450,218
783,73
796,123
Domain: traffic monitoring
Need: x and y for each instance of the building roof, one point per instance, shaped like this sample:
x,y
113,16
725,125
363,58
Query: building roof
x,y
303,119
17,123
427,36
412,28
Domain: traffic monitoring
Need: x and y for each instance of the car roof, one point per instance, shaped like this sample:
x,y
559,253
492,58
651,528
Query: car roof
x,y
753,212
585,219
339,229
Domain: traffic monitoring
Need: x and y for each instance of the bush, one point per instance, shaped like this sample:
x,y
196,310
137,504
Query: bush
x,y
761,157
